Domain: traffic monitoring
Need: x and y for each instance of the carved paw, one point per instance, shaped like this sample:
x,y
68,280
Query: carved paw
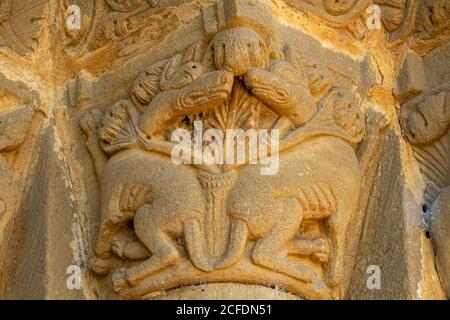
x,y
91,121
118,246
100,267
120,280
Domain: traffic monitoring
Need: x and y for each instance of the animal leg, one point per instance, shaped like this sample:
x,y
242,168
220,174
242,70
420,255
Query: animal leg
x,y
317,248
156,241
130,249
268,251
335,269
100,263
120,207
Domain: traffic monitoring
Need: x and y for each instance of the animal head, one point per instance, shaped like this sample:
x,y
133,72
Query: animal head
x,y
348,115
165,75
238,49
177,75
115,122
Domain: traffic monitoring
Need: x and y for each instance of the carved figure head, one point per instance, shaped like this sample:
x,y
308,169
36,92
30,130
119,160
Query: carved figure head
x,y
348,116
146,85
429,121
177,75
238,50
114,121
338,7
165,75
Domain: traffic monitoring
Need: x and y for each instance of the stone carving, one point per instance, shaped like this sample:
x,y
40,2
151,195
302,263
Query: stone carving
x,y
130,5
147,110
338,8
424,22
392,12
352,14
426,121
349,18
20,24
113,23
191,222
120,24
11,137
126,5
340,12
432,25
77,39
439,227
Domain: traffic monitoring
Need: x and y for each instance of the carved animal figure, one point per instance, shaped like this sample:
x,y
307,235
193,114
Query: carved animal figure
x,y
310,185
129,177
174,210
272,214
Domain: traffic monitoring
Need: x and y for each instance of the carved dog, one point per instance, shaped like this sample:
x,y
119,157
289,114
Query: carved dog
x,y
129,178
310,185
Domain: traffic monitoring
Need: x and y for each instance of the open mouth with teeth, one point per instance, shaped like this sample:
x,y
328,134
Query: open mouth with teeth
x,y
273,93
212,94
267,88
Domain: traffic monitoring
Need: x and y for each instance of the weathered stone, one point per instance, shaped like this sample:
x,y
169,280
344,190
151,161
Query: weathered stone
x,y
411,78
440,228
230,149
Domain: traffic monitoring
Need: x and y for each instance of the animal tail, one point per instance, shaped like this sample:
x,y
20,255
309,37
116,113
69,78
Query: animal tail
x,y
194,244
236,246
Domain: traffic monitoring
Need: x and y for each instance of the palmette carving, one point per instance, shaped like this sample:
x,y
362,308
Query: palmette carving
x,y
192,223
